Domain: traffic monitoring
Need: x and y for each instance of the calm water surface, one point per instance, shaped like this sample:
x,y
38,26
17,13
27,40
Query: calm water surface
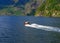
x,y
12,30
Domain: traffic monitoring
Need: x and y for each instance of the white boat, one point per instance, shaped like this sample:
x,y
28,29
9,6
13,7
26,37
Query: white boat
x,y
47,28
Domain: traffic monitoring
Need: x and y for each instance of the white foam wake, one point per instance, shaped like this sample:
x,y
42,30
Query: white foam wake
x,y
47,28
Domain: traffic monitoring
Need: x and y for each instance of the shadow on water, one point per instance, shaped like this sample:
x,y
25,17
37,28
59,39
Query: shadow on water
x,y
12,30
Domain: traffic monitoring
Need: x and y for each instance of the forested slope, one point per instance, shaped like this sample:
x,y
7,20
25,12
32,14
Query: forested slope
x,y
50,8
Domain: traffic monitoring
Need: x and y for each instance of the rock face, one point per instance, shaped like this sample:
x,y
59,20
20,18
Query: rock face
x,y
32,5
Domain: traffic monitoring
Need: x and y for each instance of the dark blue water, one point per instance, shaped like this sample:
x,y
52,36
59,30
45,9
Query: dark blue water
x,y
12,30
6,2
11,2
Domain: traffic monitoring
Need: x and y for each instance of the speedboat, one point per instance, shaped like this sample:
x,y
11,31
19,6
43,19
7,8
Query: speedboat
x,y
37,26
27,24
34,25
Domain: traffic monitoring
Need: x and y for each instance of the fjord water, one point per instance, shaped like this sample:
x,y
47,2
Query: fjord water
x,y
12,30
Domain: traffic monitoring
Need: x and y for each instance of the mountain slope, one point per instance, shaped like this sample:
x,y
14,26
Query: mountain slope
x,y
50,8
13,7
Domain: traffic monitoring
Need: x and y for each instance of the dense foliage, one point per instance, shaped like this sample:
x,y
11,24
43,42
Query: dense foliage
x,y
50,8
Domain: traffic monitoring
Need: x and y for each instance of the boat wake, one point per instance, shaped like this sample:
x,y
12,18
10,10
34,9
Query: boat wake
x,y
46,28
